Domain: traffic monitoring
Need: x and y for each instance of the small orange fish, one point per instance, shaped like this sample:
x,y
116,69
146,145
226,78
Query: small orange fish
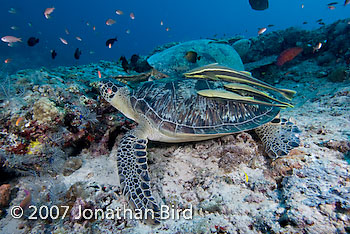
x,y
18,121
94,28
99,74
302,5
8,60
110,22
78,38
119,12
262,30
48,11
167,29
317,47
63,41
132,15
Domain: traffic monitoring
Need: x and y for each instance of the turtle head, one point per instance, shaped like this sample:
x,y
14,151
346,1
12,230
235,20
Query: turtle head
x,y
109,88
118,95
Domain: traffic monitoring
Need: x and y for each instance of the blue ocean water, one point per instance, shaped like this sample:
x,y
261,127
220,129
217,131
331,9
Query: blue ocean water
x,y
185,20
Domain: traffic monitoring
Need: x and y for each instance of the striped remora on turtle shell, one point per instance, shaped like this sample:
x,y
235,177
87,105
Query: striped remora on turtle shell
x,y
217,72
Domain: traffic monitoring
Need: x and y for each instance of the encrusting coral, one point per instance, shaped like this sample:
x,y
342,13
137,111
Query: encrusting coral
x,y
45,111
5,190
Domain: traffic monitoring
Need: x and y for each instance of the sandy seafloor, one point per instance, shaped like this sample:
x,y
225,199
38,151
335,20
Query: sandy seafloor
x,y
305,192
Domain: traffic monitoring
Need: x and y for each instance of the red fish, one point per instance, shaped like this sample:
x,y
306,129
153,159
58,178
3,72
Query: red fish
x,y
119,12
63,41
110,22
287,55
11,39
48,11
261,30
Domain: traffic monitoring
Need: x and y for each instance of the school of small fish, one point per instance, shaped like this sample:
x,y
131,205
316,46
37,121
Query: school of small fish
x,y
32,41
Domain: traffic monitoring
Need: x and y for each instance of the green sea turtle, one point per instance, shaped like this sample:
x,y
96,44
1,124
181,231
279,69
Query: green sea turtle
x,y
171,110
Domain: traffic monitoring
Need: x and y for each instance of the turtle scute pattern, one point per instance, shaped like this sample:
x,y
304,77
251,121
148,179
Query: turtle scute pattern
x,y
134,176
279,137
175,106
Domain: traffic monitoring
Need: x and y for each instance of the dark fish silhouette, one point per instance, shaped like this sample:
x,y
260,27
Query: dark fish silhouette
x,y
192,56
332,3
110,42
32,41
53,54
77,53
125,64
134,58
259,5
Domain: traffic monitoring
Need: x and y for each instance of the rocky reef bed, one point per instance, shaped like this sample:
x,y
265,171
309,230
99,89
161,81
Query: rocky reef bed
x,y
57,135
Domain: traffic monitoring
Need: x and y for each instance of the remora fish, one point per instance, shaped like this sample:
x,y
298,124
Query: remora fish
x,y
217,72
214,93
242,88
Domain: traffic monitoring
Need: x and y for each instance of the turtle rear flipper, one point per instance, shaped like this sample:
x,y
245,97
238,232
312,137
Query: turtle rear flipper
x,y
279,137
134,176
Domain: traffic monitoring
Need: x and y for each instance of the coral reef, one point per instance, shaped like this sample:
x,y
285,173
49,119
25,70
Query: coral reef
x,y
57,135
71,166
242,47
5,190
338,75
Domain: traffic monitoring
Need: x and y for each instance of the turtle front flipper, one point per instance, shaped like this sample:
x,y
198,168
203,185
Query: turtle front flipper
x,y
134,176
279,137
